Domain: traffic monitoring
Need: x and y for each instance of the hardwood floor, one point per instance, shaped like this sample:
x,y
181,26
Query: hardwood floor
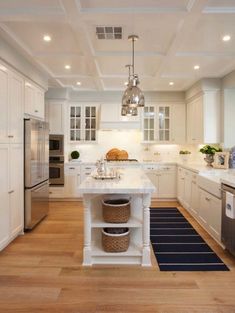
x,y
41,272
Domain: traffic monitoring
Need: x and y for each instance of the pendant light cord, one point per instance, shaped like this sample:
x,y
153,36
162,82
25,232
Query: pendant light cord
x,y
133,60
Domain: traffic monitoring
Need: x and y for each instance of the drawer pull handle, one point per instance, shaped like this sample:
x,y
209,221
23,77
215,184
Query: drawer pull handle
x,y
10,136
72,168
11,191
207,199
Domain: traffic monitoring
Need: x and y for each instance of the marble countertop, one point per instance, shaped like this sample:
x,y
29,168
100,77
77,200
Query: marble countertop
x,y
132,180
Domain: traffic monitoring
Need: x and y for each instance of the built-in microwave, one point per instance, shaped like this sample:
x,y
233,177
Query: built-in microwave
x,y
56,145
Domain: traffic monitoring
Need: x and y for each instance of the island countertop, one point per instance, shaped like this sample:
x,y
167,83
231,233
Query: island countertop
x,y
132,180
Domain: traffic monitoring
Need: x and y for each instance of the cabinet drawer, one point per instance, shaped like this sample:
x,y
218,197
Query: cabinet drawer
x,y
72,170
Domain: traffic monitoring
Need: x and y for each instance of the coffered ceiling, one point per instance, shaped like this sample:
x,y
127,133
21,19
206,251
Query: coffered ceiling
x,y
174,36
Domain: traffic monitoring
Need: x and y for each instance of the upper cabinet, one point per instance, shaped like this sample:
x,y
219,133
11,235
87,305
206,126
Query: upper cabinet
x,y
83,122
164,123
34,100
55,116
203,115
11,106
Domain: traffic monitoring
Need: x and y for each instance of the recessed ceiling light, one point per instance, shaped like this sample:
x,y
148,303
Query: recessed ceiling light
x,y
47,38
126,83
196,67
171,83
226,37
67,67
78,83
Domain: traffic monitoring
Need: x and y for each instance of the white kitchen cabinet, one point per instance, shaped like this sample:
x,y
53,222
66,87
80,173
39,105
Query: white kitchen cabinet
x,y
86,170
34,101
181,185
11,105
194,196
210,213
4,196
11,196
16,189
72,180
55,117
164,179
56,192
83,123
164,123
203,118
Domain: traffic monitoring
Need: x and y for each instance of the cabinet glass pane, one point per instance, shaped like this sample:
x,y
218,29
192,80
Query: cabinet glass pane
x,y
93,111
161,123
78,135
87,123
167,111
151,123
87,135
167,135
78,111
167,123
93,123
78,123
151,109
146,124
146,109
93,135
151,135
72,135
72,123
161,135
146,135
88,112
72,112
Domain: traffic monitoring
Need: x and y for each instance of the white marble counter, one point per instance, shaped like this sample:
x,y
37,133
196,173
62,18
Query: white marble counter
x,y
133,180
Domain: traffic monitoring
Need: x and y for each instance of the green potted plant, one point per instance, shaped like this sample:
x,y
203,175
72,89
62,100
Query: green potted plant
x,y
209,151
75,155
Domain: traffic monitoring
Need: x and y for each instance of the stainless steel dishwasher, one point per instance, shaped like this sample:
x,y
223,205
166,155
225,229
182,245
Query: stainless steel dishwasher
x,y
228,224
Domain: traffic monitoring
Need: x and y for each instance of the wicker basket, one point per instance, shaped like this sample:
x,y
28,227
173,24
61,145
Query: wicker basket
x,y
116,210
115,239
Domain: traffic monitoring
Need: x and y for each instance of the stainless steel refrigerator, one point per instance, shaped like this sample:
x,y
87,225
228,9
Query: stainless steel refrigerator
x,y
36,167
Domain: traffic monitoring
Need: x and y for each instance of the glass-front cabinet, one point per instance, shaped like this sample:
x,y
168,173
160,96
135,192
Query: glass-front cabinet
x,y
156,123
82,123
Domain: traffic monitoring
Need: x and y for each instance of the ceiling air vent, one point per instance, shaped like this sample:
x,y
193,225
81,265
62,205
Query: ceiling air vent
x,y
109,32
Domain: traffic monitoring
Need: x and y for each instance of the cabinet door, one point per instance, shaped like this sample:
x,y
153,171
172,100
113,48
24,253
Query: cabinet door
x,y
164,123
75,123
39,109
90,123
16,189
4,195
180,185
195,121
204,205
72,181
29,99
154,179
149,124
4,105
215,217
167,184
56,118
194,198
16,102
178,123
187,190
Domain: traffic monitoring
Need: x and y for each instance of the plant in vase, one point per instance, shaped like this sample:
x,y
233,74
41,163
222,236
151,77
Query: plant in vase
x,y
209,151
184,154
75,155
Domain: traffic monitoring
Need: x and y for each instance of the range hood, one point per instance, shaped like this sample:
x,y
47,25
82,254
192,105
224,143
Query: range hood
x,y
110,118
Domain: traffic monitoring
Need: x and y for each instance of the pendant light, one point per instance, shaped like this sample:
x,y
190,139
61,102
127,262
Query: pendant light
x,y
133,97
126,110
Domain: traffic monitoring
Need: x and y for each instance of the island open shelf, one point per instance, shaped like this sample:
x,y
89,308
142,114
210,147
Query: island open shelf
x,y
133,185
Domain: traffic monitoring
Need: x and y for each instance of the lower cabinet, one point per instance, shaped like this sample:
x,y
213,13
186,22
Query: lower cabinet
x,y
210,213
164,179
72,180
11,196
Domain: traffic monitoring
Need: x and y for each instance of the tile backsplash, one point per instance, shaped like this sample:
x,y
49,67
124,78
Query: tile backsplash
x,y
131,142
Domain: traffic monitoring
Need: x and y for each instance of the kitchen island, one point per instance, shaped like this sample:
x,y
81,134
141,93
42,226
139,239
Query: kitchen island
x,y
134,185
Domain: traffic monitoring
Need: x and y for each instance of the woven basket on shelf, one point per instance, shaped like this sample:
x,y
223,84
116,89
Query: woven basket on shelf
x,y
116,210
115,239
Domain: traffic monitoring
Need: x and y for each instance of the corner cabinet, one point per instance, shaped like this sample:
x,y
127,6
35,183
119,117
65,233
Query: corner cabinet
x,y
203,118
34,100
164,123
83,123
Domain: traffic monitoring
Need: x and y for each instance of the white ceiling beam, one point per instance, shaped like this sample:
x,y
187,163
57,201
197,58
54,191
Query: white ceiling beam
x,y
129,53
206,54
57,54
219,10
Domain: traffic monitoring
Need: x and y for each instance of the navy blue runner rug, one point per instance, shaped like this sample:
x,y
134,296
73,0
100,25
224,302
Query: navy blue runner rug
x,y
177,246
